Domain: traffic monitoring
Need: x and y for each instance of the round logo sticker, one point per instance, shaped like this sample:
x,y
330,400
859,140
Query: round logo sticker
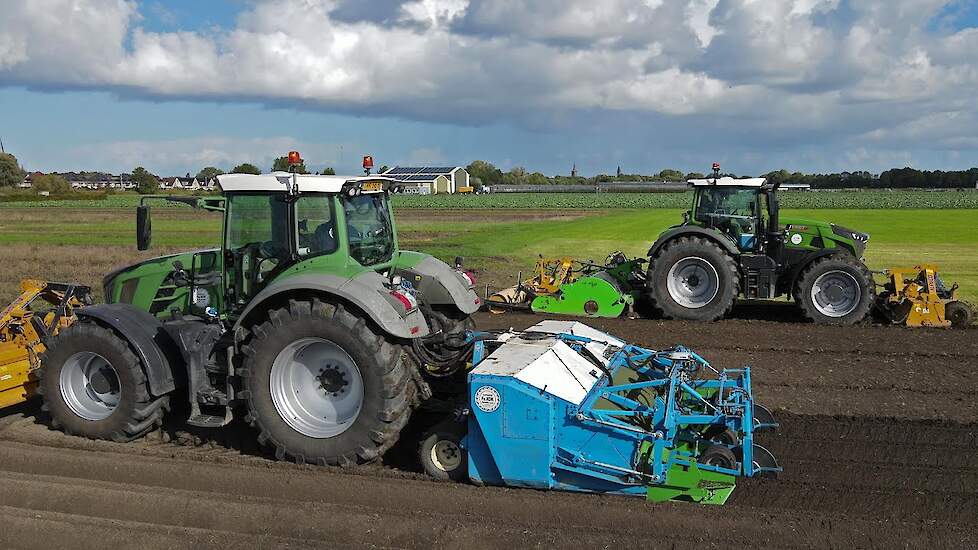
x,y
487,399
796,238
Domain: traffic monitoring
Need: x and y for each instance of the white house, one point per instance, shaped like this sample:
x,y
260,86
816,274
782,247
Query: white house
x,y
431,179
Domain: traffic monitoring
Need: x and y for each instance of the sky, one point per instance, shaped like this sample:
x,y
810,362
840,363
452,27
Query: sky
x,y
757,85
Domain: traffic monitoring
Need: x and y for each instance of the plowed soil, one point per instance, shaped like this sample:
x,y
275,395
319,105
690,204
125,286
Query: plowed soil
x,y
878,441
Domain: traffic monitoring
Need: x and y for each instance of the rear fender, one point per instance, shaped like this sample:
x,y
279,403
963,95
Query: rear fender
x,y
365,292
721,239
439,284
145,334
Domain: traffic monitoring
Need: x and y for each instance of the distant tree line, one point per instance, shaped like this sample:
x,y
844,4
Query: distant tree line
x,y
484,173
897,178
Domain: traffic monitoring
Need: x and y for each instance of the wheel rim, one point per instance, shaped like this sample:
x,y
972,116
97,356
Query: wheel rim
x,y
836,293
693,282
316,387
90,386
446,455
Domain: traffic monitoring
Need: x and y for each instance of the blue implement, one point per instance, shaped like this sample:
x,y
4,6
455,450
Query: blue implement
x,y
565,406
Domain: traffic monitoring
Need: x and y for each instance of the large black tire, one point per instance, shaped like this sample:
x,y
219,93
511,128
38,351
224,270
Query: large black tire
x,y
441,454
713,260
136,412
959,313
389,393
835,308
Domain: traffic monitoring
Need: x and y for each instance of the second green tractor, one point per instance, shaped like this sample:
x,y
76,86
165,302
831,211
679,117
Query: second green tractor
x,y
733,244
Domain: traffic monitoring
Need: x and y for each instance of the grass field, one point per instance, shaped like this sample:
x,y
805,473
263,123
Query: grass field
x,y
82,244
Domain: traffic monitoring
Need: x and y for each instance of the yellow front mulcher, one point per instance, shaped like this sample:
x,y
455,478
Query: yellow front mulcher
x,y
41,310
916,297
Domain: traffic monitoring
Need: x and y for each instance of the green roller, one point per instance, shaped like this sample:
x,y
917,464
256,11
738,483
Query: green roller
x,y
597,295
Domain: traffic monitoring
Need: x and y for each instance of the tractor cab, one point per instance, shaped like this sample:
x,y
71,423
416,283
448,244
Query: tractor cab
x,y
743,209
275,222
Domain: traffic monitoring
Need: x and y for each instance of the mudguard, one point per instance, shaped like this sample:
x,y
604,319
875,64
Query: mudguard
x,y
693,230
439,284
364,291
146,336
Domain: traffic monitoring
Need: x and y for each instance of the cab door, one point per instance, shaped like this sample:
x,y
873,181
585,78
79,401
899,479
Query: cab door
x,y
258,244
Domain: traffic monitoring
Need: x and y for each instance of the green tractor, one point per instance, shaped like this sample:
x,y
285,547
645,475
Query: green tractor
x,y
309,320
733,244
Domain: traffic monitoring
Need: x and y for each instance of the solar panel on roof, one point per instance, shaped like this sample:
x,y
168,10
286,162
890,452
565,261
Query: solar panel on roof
x,y
402,170
419,177
437,169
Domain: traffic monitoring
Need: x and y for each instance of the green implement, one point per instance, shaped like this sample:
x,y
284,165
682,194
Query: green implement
x,y
694,485
597,295
565,286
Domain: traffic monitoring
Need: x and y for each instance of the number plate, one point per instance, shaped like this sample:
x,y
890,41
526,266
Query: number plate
x,y
372,186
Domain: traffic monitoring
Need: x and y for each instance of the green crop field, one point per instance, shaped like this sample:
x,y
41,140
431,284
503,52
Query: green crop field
x,y
862,200
81,244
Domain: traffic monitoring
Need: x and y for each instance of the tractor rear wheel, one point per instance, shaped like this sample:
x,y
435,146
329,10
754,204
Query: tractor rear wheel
x,y
325,387
836,290
93,385
959,313
693,279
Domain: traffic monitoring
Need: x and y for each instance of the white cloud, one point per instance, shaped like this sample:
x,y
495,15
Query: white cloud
x,y
165,156
769,69
434,12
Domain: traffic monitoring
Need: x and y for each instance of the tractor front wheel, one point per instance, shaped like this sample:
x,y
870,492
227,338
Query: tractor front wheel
x,y
93,385
693,279
836,290
323,386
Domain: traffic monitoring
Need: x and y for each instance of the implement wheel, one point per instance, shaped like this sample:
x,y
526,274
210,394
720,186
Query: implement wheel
x,y
441,453
94,386
323,386
836,290
693,279
959,313
719,456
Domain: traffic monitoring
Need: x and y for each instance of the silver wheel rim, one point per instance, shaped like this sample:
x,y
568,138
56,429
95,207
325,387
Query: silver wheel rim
x,y
316,387
446,455
693,282
836,293
89,385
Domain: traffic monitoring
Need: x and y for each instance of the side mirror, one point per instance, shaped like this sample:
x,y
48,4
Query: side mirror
x,y
144,227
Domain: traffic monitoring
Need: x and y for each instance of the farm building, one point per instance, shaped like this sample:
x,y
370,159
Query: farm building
x,y
431,179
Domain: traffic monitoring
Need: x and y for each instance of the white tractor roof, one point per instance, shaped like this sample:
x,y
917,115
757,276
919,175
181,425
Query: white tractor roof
x,y
277,181
728,181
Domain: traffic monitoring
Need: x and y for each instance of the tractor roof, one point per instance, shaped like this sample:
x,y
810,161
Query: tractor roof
x,y
277,181
728,182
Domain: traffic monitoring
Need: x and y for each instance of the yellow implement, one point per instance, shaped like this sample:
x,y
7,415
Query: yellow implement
x,y
41,310
916,296
548,275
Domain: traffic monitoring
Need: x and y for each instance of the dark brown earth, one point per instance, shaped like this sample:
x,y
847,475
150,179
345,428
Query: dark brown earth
x,y
878,441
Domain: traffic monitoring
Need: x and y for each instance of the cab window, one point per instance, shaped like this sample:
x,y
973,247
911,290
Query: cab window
x,y
316,230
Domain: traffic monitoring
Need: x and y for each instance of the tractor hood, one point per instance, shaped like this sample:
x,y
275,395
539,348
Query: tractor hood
x,y
850,238
804,225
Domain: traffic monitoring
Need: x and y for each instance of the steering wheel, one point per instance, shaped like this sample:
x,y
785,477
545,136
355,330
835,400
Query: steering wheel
x,y
363,207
